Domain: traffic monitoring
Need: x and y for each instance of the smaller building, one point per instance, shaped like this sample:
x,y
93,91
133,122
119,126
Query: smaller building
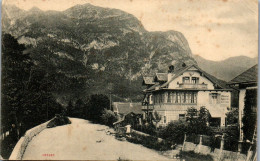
x,y
244,82
128,113
124,108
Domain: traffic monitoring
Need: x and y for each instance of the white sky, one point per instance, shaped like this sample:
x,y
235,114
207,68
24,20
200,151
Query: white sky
x,y
215,29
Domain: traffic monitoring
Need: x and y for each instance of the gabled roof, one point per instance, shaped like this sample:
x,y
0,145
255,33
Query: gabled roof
x,y
127,107
162,77
148,80
249,76
217,82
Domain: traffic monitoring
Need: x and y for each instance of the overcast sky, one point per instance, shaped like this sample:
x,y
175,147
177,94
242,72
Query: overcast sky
x,y
215,29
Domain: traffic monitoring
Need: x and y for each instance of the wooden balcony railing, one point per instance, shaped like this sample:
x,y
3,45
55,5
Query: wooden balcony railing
x,y
193,86
149,107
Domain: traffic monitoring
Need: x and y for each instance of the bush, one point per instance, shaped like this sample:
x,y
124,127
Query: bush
x,y
192,156
149,142
231,138
232,117
174,131
108,117
95,107
198,121
58,121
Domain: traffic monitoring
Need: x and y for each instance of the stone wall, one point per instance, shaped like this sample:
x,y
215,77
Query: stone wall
x,y
21,145
217,154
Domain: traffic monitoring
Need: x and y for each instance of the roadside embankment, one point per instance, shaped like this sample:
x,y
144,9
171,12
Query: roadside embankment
x,y
21,145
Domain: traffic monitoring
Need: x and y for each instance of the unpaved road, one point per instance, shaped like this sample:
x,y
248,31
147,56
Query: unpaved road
x,y
82,140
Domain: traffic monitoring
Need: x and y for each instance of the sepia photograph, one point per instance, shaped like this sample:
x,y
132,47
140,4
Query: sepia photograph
x,y
129,80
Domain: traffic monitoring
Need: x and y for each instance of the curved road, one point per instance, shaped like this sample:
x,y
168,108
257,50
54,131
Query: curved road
x,y
82,140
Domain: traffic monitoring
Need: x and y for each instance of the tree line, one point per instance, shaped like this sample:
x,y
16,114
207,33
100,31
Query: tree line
x,y
96,108
28,95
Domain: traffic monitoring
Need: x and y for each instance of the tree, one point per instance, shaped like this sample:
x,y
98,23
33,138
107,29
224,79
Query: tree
x,y
156,118
69,109
175,131
232,117
198,121
96,105
204,115
79,109
15,76
108,117
249,118
27,98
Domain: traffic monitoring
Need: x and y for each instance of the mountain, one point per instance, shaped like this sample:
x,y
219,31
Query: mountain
x,y
89,49
226,69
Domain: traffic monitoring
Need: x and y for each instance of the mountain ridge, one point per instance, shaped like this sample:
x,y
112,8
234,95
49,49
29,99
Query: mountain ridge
x,y
228,68
95,49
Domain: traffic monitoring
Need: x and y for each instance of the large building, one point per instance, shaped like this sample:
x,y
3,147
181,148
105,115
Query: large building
x,y
246,82
171,94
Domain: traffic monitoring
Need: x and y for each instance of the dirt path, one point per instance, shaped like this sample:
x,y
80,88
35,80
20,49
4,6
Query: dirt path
x,y
82,140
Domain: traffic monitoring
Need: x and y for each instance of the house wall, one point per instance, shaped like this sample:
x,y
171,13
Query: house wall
x,y
174,84
220,108
170,111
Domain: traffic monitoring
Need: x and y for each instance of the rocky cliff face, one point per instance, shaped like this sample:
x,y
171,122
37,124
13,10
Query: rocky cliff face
x,y
94,49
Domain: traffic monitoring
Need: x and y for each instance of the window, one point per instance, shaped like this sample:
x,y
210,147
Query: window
x,y
181,116
164,119
174,97
194,80
183,97
165,99
155,98
186,80
194,98
161,98
214,98
178,98
188,95
169,97
151,99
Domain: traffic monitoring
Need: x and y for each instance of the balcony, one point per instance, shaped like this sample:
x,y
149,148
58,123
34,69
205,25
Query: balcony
x,y
193,86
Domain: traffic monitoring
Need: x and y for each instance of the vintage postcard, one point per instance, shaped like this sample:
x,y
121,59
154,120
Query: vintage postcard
x,y
129,80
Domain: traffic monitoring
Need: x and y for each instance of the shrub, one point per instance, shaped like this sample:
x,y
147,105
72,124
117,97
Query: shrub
x,y
232,117
198,121
58,121
231,138
108,117
149,142
96,106
174,131
191,155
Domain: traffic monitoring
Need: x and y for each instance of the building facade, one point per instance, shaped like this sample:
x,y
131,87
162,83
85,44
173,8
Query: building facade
x,y
171,94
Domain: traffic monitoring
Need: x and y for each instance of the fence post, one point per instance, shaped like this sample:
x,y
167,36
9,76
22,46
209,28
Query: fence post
x,y
239,149
221,146
222,143
197,149
200,140
183,142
